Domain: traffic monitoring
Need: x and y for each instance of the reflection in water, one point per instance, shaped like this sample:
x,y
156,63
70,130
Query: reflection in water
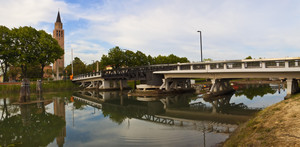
x,y
31,126
59,110
251,91
170,110
114,119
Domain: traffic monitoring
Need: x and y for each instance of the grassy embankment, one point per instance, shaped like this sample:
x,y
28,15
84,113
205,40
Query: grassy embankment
x,y
277,125
48,86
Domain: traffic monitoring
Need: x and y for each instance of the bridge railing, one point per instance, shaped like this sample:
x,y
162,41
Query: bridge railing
x,y
242,64
88,75
127,73
141,72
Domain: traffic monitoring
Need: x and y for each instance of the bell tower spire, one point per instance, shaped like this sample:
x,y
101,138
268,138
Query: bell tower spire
x,y
58,17
59,35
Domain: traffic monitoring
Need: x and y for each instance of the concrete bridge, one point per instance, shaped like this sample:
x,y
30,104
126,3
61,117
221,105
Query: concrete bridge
x,y
177,76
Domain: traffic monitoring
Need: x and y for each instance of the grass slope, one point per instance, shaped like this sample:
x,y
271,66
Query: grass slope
x,y
277,125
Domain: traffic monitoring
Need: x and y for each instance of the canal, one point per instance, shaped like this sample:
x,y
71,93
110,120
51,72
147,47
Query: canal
x,y
90,118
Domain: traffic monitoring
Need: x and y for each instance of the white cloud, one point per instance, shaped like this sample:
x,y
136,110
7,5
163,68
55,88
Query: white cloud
x,y
231,29
28,12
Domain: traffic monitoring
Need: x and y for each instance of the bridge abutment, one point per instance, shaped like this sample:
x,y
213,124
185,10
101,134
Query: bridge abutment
x,y
292,87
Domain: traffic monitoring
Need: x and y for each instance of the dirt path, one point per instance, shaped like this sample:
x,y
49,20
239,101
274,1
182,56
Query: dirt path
x,y
277,125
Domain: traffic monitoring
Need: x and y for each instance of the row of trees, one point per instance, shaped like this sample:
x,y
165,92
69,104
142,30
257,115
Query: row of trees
x,y
26,47
117,58
125,58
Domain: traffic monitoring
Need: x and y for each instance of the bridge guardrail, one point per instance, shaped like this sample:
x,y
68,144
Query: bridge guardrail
x,y
140,72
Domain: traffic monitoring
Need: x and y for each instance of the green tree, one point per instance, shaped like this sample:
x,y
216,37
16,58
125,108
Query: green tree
x,y
33,71
91,67
118,58
208,59
130,58
14,72
150,60
78,67
171,59
249,57
7,52
26,41
48,51
105,61
115,58
140,59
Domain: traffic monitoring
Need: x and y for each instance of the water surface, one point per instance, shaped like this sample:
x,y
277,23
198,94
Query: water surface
x,y
90,118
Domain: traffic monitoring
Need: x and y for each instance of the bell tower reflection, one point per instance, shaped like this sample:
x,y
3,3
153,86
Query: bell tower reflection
x,y
59,110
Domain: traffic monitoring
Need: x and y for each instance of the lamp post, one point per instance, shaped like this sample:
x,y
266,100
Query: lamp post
x,y
72,60
200,42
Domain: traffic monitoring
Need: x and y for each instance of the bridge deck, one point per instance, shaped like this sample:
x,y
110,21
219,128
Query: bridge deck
x,y
274,66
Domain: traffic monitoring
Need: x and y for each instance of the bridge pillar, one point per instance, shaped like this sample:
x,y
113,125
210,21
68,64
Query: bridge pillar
x,y
220,86
292,87
225,65
286,64
263,64
124,83
121,85
169,84
115,84
105,84
243,65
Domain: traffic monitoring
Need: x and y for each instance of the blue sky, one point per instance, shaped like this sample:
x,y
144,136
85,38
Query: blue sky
x,y
231,29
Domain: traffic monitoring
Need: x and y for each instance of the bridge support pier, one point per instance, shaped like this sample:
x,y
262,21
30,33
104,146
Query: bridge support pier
x,y
292,87
171,84
105,84
220,86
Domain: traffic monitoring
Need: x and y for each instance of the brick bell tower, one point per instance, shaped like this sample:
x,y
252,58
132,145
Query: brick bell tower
x,y
58,34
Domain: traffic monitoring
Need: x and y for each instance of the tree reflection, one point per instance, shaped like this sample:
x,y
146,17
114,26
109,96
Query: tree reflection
x,y
252,91
118,113
79,105
7,109
33,127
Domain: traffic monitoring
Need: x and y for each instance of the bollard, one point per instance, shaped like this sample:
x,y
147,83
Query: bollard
x,y
25,91
39,89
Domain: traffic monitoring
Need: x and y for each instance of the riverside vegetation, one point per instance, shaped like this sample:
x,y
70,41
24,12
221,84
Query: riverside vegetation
x,y
48,86
276,125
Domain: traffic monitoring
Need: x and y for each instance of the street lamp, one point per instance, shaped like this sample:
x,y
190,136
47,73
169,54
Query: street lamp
x,y
201,45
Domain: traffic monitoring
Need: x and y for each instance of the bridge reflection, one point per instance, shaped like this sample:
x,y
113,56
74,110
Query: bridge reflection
x,y
219,116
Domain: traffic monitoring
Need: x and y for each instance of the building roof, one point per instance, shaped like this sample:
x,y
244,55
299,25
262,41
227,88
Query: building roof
x,y
58,17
